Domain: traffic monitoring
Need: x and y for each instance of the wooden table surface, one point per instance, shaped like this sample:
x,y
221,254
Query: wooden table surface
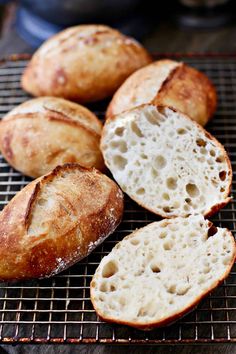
x,y
165,37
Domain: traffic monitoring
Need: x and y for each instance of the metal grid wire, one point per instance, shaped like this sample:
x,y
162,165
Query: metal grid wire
x,y
58,310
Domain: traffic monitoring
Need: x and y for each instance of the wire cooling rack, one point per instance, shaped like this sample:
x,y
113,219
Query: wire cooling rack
x,y
58,310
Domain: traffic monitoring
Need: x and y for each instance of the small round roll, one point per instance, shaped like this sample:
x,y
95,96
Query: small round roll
x,y
170,83
84,63
45,132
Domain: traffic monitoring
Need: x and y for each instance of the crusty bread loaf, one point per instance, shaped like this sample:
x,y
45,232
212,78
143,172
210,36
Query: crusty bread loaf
x,y
166,162
56,220
170,83
45,132
83,63
160,272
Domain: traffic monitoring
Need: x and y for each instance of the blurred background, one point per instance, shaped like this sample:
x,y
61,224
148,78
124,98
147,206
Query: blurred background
x,y
162,26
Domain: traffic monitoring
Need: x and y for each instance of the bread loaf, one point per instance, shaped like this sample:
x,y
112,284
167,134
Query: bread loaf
x,y
160,272
166,162
83,63
45,132
57,220
170,83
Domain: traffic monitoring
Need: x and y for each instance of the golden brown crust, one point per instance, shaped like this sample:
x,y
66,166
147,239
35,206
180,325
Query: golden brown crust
x,y
84,63
174,318
56,220
190,92
169,83
141,87
45,132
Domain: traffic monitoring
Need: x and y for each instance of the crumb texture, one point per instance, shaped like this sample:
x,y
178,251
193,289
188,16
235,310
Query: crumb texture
x,y
161,271
166,162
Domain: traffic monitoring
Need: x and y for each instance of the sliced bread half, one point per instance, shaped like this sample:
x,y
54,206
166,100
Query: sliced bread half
x,y
166,162
160,272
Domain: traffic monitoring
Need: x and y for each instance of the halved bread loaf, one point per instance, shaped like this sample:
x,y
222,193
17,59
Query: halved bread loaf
x,y
169,83
160,272
56,220
166,162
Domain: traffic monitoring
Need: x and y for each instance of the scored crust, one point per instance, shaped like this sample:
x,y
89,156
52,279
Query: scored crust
x,y
69,111
169,83
84,63
57,220
189,91
149,280
140,149
141,87
42,133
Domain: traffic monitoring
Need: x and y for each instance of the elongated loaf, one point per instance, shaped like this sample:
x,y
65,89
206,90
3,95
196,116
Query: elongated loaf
x,y
166,162
170,83
45,132
160,272
83,63
57,220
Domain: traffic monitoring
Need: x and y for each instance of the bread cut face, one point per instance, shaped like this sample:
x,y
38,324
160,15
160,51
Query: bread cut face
x,y
166,162
161,271
169,83
44,132
83,63
56,220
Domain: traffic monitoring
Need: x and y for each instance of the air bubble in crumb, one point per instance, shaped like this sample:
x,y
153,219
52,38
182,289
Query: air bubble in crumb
x,y
140,191
119,131
152,119
165,196
109,269
159,162
168,245
181,131
154,173
192,190
120,162
212,153
136,130
171,183
201,142
222,175
134,241
163,234
167,209
155,268
123,146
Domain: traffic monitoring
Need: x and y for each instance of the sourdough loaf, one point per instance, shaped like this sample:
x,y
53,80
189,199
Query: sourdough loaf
x,y
83,63
57,220
45,132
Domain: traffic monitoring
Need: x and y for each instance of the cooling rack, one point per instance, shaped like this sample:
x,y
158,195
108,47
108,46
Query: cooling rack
x,y
58,310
